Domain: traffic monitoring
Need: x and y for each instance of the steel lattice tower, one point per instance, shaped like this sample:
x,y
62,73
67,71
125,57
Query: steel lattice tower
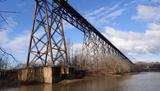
x,y
47,42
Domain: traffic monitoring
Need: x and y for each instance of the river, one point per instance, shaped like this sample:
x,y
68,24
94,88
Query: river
x,y
145,81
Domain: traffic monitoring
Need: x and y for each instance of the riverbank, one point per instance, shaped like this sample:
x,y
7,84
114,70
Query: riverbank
x,y
6,84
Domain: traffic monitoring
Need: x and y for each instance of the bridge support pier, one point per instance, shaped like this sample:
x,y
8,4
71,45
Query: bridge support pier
x,y
48,74
36,74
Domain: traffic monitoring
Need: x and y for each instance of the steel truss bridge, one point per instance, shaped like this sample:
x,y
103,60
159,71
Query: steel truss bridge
x,y
47,43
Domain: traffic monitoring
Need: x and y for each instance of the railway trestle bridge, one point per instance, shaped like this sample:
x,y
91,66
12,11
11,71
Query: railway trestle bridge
x,y
48,44
48,48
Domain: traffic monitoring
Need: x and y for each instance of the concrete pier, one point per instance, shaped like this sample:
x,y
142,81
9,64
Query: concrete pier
x,y
41,74
36,74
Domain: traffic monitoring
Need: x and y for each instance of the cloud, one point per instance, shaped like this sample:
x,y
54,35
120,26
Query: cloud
x,y
3,37
135,43
16,45
116,13
104,15
156,1
154,26
100,16
147,13
6,28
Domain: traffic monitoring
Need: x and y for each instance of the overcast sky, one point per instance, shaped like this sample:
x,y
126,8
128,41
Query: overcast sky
x,y
133,26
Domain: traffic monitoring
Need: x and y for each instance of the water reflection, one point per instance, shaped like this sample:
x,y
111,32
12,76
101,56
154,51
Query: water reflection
x,y
101,84
149,81
139,82
40,87
98,84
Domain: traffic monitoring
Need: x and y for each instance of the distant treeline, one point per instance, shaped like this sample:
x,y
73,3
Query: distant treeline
x,y
143,66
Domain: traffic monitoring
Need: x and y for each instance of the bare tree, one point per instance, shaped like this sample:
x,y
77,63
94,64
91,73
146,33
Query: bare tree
x,y
6,60
5,57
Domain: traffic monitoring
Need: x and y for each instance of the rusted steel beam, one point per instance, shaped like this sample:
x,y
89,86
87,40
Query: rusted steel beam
x,y
47,42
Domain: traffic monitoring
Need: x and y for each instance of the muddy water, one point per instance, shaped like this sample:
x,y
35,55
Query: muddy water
x,y
147,81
